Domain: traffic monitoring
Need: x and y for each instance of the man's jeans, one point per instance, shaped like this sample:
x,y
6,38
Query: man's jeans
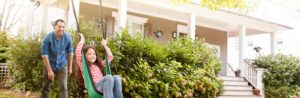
x,y
110,86
61,76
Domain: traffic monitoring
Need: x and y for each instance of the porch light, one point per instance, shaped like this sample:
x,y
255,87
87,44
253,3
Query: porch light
x,y
158,33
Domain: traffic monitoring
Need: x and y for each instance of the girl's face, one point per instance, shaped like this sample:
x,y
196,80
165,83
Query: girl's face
x,y
91,55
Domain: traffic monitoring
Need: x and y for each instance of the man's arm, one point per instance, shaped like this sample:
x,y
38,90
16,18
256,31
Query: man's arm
x,y
45,52
70,54
49,70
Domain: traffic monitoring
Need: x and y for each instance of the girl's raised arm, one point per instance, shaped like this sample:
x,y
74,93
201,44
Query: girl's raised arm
x,y
108,52
78,51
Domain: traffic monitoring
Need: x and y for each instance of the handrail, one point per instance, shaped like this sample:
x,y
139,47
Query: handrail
x,y
250,72
230,67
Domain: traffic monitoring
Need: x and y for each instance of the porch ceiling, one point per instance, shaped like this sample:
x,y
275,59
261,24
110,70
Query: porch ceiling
x,y
219,19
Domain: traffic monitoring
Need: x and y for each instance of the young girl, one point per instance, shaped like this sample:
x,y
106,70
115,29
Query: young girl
x,y
109,85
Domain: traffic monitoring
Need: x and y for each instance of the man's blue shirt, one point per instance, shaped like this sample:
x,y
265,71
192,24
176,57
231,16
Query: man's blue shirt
x,y
57,50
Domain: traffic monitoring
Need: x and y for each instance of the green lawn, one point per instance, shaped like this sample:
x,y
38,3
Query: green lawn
x,y
6,93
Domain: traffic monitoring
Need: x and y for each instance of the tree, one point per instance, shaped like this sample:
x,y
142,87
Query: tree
x,y
11,13
215,4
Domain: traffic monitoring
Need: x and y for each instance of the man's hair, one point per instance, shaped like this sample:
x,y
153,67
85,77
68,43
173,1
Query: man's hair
x,y
58,20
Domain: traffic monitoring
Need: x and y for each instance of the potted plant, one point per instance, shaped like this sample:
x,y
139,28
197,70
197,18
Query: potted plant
x,y
237,73
256,91
257,49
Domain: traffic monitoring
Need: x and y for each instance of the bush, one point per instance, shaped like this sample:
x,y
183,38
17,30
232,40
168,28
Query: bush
x,y
3,47
25,63
182,68
282,76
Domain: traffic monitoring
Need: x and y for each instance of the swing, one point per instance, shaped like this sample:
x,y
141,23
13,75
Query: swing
x,y
90,86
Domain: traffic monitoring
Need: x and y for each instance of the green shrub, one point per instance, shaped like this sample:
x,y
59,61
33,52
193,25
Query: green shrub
x,y
26,66
25,63
3,47
181,68
282,76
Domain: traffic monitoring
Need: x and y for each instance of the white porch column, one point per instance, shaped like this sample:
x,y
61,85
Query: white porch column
x,y
260,84
122,13
242,48
273,43
192,26
44,18
71,22
29,20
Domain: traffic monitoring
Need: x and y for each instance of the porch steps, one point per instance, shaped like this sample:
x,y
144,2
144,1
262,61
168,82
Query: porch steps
x,y
236,87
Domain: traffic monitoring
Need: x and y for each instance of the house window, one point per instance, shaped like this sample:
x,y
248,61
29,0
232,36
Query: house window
x,y
135,28
181,34
182,30
135,24
217,48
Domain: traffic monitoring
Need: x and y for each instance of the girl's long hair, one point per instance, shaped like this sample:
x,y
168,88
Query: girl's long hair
x,y
79,77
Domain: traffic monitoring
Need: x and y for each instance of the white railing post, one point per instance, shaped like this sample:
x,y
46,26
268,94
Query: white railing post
x,y
260,84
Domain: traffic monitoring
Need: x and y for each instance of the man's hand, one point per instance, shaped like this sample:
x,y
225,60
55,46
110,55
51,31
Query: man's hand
x,y
50,75
70,71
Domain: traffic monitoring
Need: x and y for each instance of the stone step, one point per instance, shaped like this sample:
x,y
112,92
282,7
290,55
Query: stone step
x,y
237,83
237,92
234,87
239,96
232,78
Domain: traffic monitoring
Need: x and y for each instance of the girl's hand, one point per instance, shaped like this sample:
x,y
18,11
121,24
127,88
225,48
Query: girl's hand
x,y
104,42
81,37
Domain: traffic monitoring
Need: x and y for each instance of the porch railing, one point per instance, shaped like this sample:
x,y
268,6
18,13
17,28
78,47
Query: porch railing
x,y
250,72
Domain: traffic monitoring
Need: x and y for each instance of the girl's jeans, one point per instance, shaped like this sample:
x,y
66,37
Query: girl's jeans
x,y
110,86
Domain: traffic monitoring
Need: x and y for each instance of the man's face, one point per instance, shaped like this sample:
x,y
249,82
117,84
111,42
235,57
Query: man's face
x,y
59,28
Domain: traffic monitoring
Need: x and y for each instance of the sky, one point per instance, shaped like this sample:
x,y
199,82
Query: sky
x,y
282,12
278,11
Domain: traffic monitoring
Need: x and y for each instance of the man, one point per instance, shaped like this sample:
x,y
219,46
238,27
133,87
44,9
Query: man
x,y
57,51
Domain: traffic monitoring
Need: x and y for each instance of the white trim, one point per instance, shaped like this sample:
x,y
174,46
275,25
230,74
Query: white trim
x,y
182,29
131,18
130,21
49,2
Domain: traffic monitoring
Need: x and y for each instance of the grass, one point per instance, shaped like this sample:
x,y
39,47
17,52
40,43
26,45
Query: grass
x,y
7,93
